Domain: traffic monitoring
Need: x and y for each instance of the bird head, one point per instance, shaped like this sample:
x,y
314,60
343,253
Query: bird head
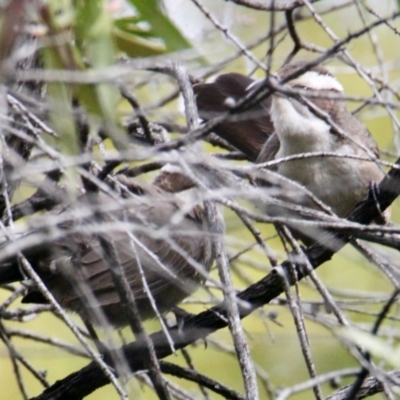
x,y
291,115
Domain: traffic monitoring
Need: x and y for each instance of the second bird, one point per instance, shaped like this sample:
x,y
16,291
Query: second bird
x,y
293,128
165,252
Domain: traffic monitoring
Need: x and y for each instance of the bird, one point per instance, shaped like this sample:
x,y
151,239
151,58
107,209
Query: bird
x,y
291,126
248,131
169,249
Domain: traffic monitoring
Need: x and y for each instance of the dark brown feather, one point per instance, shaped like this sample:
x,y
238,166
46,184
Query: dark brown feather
x,y
169,254
247,131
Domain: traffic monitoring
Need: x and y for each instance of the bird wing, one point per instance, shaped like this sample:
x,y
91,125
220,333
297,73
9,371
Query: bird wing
x,y
269,150
163,261
246,131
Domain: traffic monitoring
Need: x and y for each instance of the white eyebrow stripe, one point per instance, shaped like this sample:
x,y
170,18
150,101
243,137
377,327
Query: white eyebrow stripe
x,y
171,168
317,81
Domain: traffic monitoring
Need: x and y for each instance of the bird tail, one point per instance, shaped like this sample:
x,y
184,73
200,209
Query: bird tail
x,y
9,268
9,273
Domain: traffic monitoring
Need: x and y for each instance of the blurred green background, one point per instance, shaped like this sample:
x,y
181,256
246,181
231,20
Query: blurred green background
x,y
274,344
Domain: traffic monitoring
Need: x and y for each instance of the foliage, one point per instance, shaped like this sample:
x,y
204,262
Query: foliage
x,y
91,105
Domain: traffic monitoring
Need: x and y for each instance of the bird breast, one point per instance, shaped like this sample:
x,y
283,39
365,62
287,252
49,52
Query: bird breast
x,y
339,182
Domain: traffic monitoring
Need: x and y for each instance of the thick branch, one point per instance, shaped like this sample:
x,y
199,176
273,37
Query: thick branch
x,y
370,387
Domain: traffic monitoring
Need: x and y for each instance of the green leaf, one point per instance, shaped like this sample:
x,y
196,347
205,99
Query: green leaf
x,y
58,18
94,39
161,26
135,46
61,118
131,25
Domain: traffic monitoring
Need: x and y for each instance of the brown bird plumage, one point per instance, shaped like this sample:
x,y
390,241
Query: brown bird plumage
x,y
288,128
247,131
174,256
